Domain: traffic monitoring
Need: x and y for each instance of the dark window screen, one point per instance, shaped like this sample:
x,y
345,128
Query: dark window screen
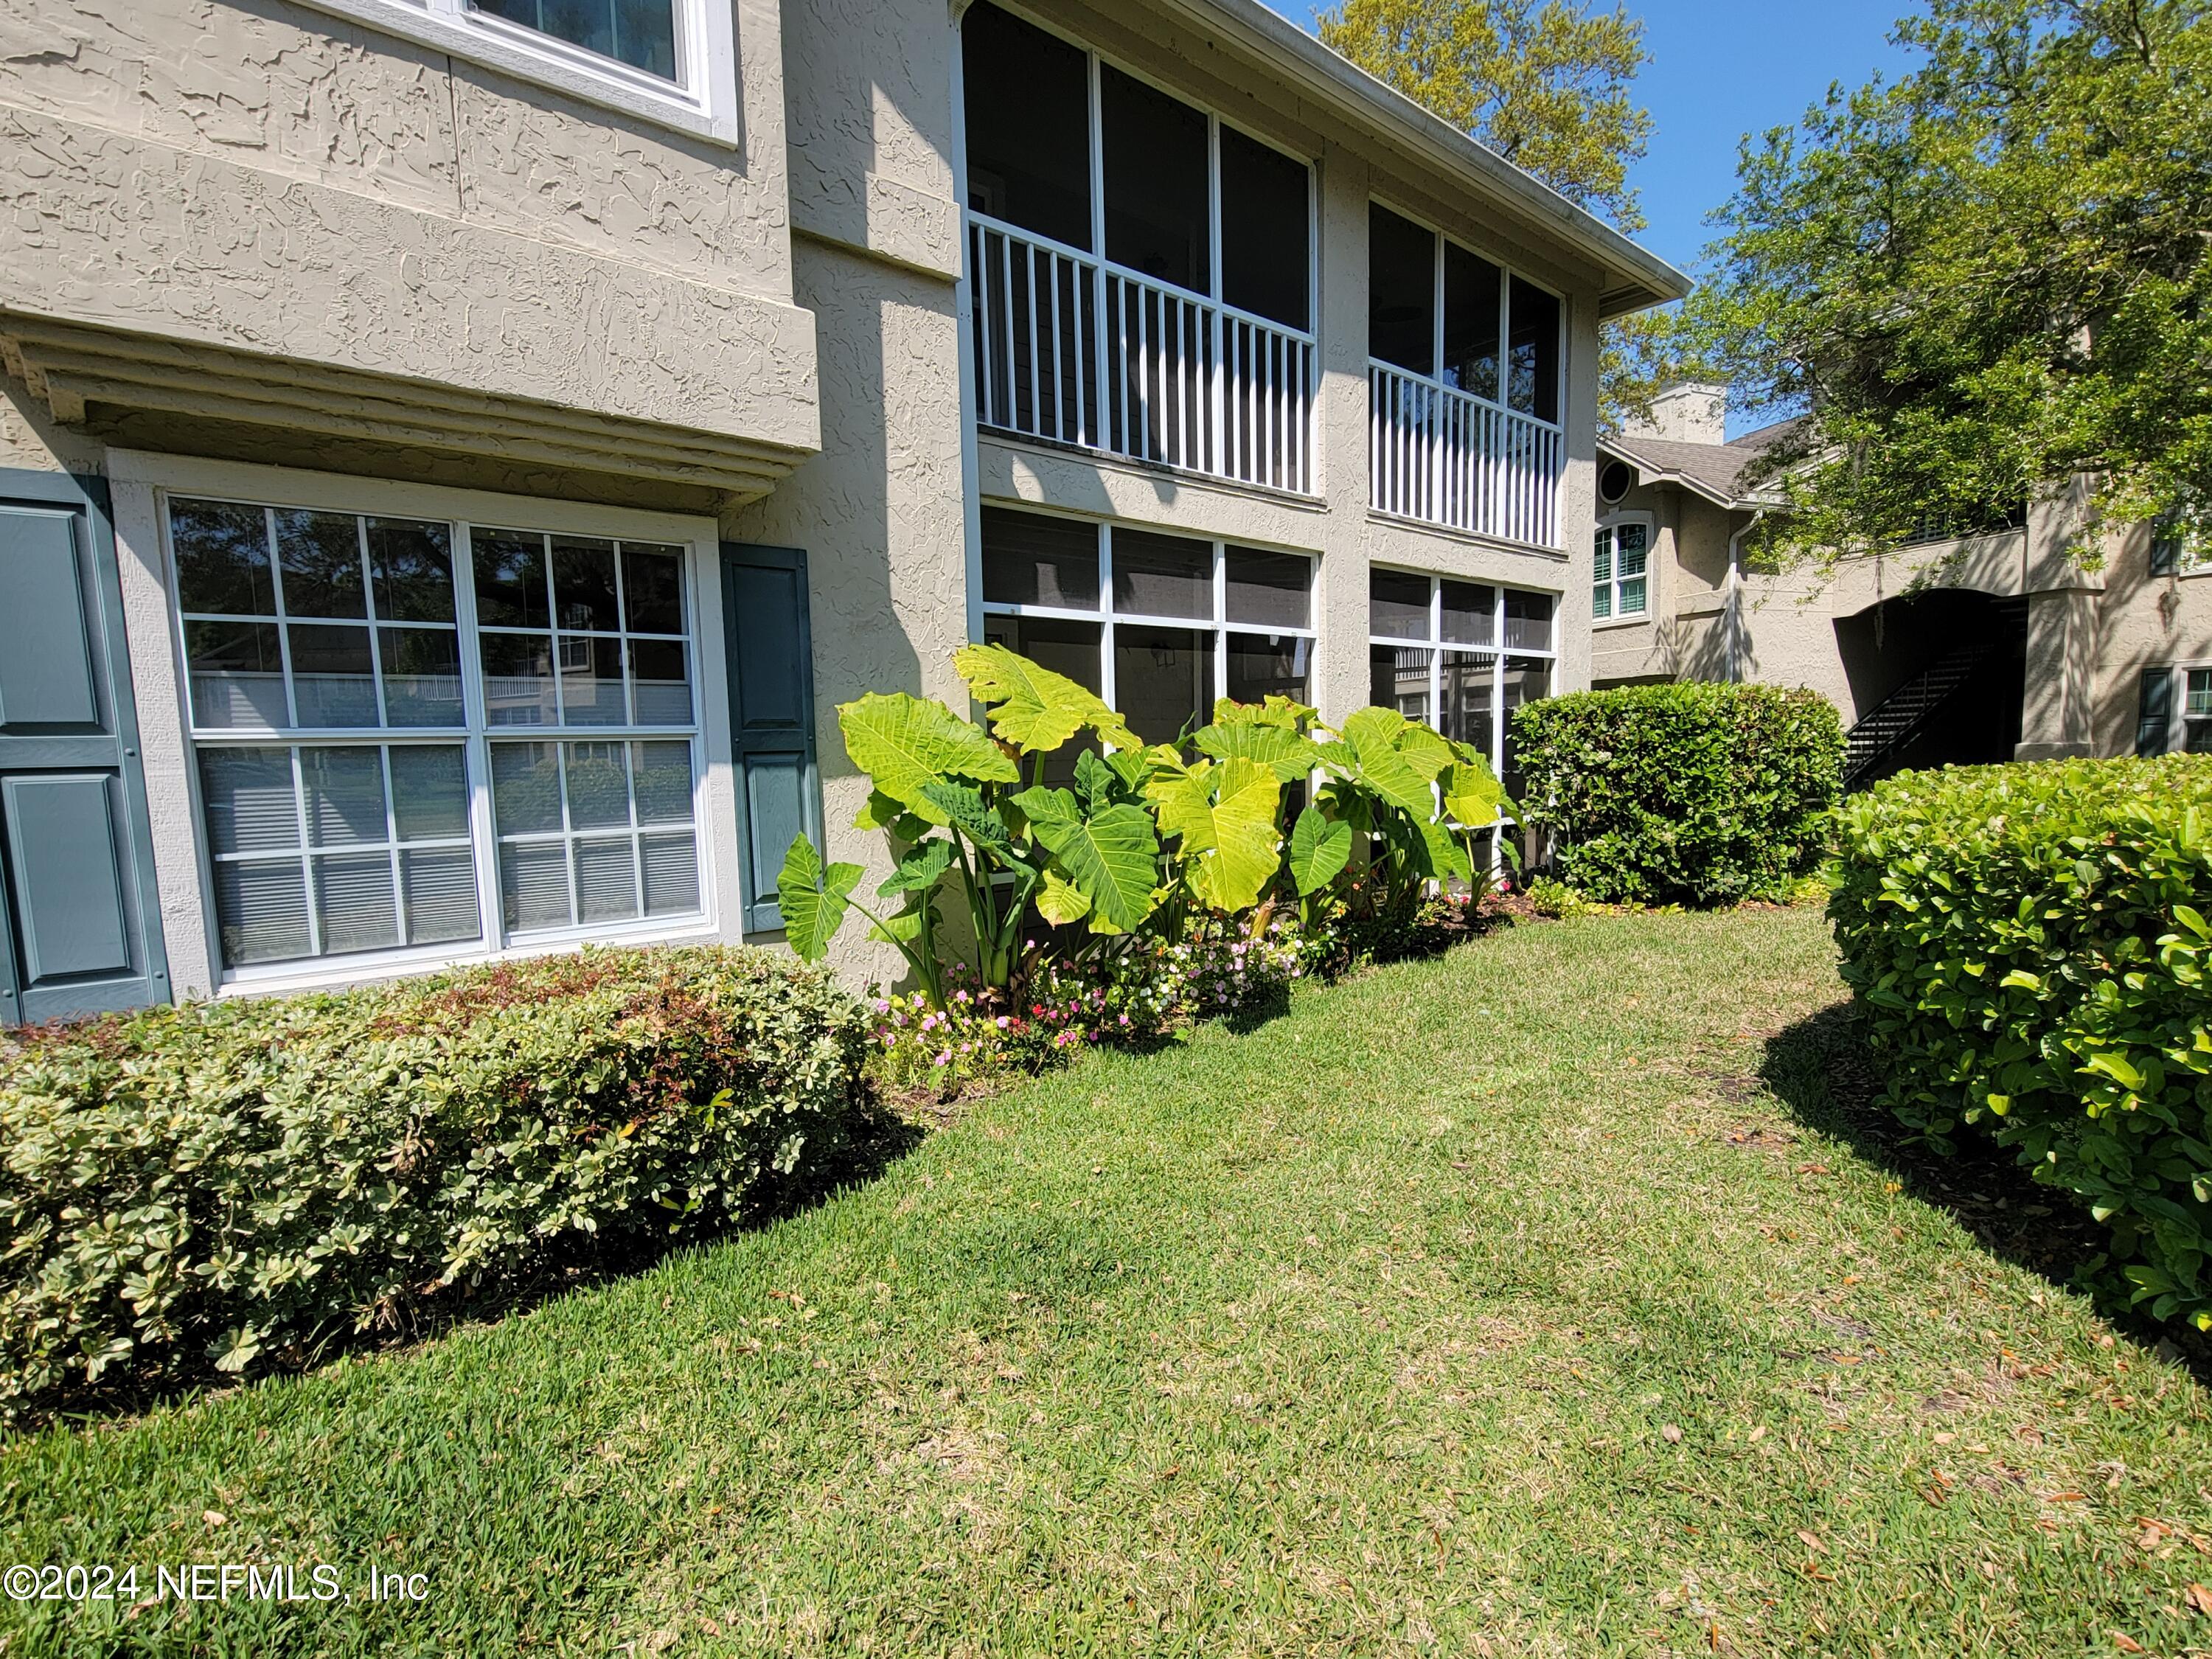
x,y
1535,385
1157,209
1401,292
1031,559
1265,256
1028,125
1472,293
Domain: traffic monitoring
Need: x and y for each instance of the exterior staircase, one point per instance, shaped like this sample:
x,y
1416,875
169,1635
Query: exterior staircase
x,y
1902,715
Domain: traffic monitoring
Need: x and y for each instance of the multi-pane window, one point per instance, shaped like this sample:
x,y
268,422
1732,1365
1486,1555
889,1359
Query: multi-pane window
x,y
1460,656
1617,568
1441,312
1158,625
355,684
639,32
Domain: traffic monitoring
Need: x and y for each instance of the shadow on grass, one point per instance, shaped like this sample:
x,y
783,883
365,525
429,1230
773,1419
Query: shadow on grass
x,y
1821,1068
877,1137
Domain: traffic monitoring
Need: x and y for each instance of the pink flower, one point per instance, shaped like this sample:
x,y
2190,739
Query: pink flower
x,y
1002,1021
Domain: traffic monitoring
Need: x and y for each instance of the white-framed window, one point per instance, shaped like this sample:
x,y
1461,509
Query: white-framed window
x,y
1460,656
1158,625
672,61
2190,732
418,737
1619,580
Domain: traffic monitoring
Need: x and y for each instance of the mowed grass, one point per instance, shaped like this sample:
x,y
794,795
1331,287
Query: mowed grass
x,y
1498,1304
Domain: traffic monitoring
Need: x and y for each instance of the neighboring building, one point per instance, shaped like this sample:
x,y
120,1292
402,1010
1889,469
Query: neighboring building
x,y
459,453
1990,647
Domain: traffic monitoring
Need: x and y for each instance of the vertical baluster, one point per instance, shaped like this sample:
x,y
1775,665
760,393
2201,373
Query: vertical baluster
x,y
1053,263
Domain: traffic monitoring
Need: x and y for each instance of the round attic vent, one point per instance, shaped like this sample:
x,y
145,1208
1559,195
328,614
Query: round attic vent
x,y
1614,483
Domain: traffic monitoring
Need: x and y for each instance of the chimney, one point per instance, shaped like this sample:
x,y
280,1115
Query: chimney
x,y
1685,412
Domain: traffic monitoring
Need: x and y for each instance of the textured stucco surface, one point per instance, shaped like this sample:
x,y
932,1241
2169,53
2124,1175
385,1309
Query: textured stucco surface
x,y
870,109
303,95
271,181
879,513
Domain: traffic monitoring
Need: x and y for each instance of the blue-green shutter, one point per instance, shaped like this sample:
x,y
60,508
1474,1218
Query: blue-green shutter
x,y
2155,712
78,931
771,674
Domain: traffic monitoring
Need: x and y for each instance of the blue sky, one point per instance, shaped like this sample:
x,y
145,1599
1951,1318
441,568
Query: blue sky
x,y
1721,68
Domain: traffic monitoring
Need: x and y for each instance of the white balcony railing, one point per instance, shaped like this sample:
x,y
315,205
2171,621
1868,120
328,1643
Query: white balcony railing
x,y
1442,457
1072,350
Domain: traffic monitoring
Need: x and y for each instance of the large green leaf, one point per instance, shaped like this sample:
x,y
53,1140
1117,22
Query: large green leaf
x,y
1111,858
1369,752
963,806
919,870
905,742
1032,708
1319,851
1225,816
813,900
1278,747
1276,710
1472,793
1060,901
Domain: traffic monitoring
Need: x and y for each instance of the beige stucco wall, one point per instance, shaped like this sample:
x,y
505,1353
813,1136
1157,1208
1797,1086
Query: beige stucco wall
x,y
2145,621
880,511
273,185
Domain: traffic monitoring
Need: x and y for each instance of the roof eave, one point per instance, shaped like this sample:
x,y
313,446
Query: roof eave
x,y
1634,278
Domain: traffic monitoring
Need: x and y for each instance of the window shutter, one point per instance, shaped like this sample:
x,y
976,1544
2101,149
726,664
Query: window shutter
x,y
771,675
76,879
2155,712
2166,546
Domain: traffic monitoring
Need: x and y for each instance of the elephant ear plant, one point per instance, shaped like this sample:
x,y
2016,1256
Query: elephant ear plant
x,y
950,795
1172,839
1419,801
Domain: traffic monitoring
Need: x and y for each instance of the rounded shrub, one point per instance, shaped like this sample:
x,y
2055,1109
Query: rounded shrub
x,y
234,1183
2029,945
1694,794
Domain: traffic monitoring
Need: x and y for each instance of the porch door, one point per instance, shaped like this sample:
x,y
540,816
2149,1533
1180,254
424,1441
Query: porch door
x,y
79,930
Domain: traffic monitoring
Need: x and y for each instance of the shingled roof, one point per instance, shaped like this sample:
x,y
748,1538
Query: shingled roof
x,y
1713,471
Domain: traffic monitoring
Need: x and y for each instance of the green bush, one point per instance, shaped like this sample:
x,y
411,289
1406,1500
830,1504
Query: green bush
x,y
2029,945
1680,794
236,1182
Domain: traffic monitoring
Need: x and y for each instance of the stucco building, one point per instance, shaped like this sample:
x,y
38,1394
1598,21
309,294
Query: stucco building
x,y
459,453
1998,647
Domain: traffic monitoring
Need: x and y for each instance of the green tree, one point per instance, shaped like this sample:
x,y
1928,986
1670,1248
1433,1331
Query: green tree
x,y
1546,86
1549,85
1985,280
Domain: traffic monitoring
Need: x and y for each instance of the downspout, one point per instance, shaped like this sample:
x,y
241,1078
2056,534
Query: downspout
x,y
1735,608
964,300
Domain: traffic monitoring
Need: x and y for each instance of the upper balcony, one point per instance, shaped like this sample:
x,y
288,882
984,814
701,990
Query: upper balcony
x,y
1463,387
1142,272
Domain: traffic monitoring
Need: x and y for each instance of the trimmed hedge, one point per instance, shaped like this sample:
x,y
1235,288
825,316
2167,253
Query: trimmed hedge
x,y
237,1183
1695,793
2029,944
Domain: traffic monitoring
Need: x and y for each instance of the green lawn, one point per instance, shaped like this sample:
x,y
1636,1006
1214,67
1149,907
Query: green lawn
x,y
1534,1300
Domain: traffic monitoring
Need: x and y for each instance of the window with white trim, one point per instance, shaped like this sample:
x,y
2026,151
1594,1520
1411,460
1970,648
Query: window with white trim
x,y
1459,656
672,61
1158,625
2196,711
1617,568
414,733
